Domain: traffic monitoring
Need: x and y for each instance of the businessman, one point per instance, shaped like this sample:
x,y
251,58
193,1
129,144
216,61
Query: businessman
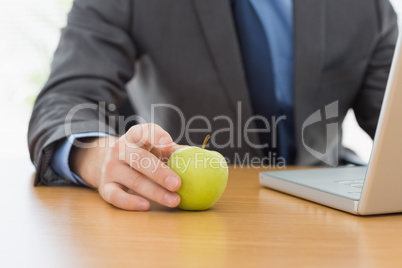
x,y
261,76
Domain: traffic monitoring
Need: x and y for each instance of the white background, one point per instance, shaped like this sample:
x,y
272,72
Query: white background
x,y
29,32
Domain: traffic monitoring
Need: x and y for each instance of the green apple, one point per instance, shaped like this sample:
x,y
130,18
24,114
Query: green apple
x,y
204,176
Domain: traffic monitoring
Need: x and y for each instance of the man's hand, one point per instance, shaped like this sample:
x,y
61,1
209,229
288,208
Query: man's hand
x,y
134,163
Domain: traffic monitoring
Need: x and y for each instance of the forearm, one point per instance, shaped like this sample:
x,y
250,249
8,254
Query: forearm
x,y
92,64
368,102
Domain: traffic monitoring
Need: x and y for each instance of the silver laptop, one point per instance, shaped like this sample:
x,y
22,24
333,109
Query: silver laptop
x,y
375,189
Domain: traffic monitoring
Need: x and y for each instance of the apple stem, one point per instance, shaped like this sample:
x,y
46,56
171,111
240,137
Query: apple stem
x,y
205,141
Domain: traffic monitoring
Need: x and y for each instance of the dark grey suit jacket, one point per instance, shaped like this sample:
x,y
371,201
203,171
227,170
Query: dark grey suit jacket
x,y
185,53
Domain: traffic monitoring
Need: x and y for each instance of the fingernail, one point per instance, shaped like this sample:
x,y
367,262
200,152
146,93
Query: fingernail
x,y
172,182
164,140
170,199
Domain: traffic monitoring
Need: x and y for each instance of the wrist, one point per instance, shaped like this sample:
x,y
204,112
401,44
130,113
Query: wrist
x,y
87,157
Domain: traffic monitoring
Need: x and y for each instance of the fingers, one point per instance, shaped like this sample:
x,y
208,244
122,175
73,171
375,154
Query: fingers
x,y
174,148
140,184
137,150
153,138
165,155
149,136
152,167
115,195
135,164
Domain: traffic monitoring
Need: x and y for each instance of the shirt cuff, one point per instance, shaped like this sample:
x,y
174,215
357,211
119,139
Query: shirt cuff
x,y
59,162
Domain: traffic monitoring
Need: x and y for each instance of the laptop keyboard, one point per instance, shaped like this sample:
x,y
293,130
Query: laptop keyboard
x,y
352,183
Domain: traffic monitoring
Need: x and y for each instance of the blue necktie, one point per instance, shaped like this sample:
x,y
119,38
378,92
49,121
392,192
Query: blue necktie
x,y
258,66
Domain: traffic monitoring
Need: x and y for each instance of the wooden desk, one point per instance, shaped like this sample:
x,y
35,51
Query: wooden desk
x,y
250,227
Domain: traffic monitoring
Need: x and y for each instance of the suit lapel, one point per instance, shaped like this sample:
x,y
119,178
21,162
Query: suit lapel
x,y
309,36
309,47
218,27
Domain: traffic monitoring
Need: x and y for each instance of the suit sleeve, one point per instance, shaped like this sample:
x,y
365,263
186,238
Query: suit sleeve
x,y
368,103
93,62
59,162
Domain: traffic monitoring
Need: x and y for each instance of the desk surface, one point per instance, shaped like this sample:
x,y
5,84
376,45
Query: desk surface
x,y
250,227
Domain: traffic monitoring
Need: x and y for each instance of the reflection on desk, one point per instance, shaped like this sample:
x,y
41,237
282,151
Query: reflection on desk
x,y
250,227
